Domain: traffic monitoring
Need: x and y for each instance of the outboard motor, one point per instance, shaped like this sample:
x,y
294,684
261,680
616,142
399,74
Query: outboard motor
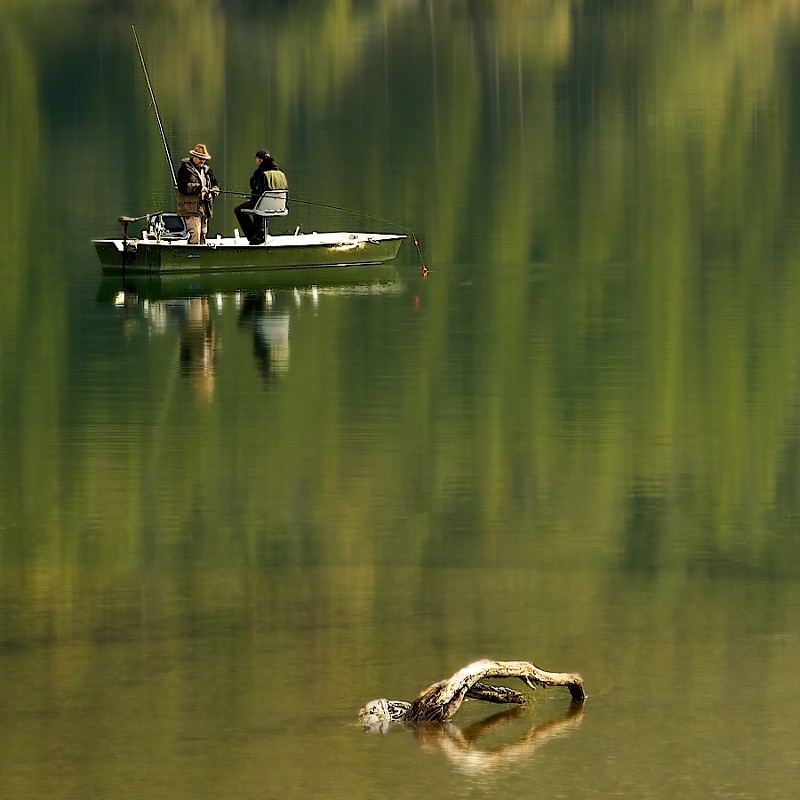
x,y
165,226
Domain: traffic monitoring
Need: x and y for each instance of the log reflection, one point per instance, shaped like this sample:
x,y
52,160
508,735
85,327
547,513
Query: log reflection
x,y
462,748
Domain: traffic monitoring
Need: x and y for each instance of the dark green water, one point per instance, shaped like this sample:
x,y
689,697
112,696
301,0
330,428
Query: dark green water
x,y
229,520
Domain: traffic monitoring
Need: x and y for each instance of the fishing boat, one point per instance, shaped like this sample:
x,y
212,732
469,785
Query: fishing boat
x,y
163,247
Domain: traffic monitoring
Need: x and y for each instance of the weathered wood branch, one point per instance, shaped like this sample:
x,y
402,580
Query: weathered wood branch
x,y
440,701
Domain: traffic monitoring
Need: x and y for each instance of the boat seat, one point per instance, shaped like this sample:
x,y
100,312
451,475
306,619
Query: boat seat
x,y
271,204
167,226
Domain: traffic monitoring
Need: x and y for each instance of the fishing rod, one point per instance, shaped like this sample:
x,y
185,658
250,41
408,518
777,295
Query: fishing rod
x,y
155,108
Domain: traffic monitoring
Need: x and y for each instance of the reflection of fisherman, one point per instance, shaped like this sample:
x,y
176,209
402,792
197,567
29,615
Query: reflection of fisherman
x,y
267,175
199,346
197,188
270,338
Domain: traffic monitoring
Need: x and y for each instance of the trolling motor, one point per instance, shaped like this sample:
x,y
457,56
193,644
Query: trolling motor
x,y
129,245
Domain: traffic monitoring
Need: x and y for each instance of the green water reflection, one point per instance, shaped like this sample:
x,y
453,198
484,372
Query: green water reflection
x,y
231,514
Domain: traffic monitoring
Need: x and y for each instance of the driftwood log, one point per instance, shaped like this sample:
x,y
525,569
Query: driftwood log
x,y
440,701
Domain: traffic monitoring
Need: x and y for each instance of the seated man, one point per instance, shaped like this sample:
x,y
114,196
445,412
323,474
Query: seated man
x,y
266,176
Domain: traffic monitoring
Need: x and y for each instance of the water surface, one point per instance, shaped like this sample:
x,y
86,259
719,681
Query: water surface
x,y
232,514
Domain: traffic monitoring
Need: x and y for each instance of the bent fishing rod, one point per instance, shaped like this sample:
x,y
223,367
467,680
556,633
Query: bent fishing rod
x,y
351,211
155,108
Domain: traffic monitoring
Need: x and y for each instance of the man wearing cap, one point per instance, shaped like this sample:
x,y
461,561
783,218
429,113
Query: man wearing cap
x,y
266,177
197,188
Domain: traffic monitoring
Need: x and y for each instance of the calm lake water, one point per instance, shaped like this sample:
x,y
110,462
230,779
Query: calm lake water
x,y
232,513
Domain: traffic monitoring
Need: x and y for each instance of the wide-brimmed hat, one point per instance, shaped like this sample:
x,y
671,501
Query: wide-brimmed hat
x,y
201,151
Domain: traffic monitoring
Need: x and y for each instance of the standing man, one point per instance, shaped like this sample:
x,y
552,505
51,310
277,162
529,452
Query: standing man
x,y
197,188
267,176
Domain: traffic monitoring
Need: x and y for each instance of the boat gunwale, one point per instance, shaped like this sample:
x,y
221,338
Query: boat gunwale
x,y
300,241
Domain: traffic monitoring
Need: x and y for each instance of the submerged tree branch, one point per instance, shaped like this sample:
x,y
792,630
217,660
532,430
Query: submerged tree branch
x,y
440,701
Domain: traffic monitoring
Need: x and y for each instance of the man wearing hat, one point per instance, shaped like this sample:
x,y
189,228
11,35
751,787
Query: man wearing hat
x,y
266,177
197,188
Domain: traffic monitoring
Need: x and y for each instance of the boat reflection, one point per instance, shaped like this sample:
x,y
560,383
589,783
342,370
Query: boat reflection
x,y
163,286
263,302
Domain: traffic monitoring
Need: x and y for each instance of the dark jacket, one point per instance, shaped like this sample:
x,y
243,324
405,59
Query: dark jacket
x,y
267,176
191,179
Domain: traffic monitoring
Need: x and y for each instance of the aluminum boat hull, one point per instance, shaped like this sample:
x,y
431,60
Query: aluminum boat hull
x,y
147,256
